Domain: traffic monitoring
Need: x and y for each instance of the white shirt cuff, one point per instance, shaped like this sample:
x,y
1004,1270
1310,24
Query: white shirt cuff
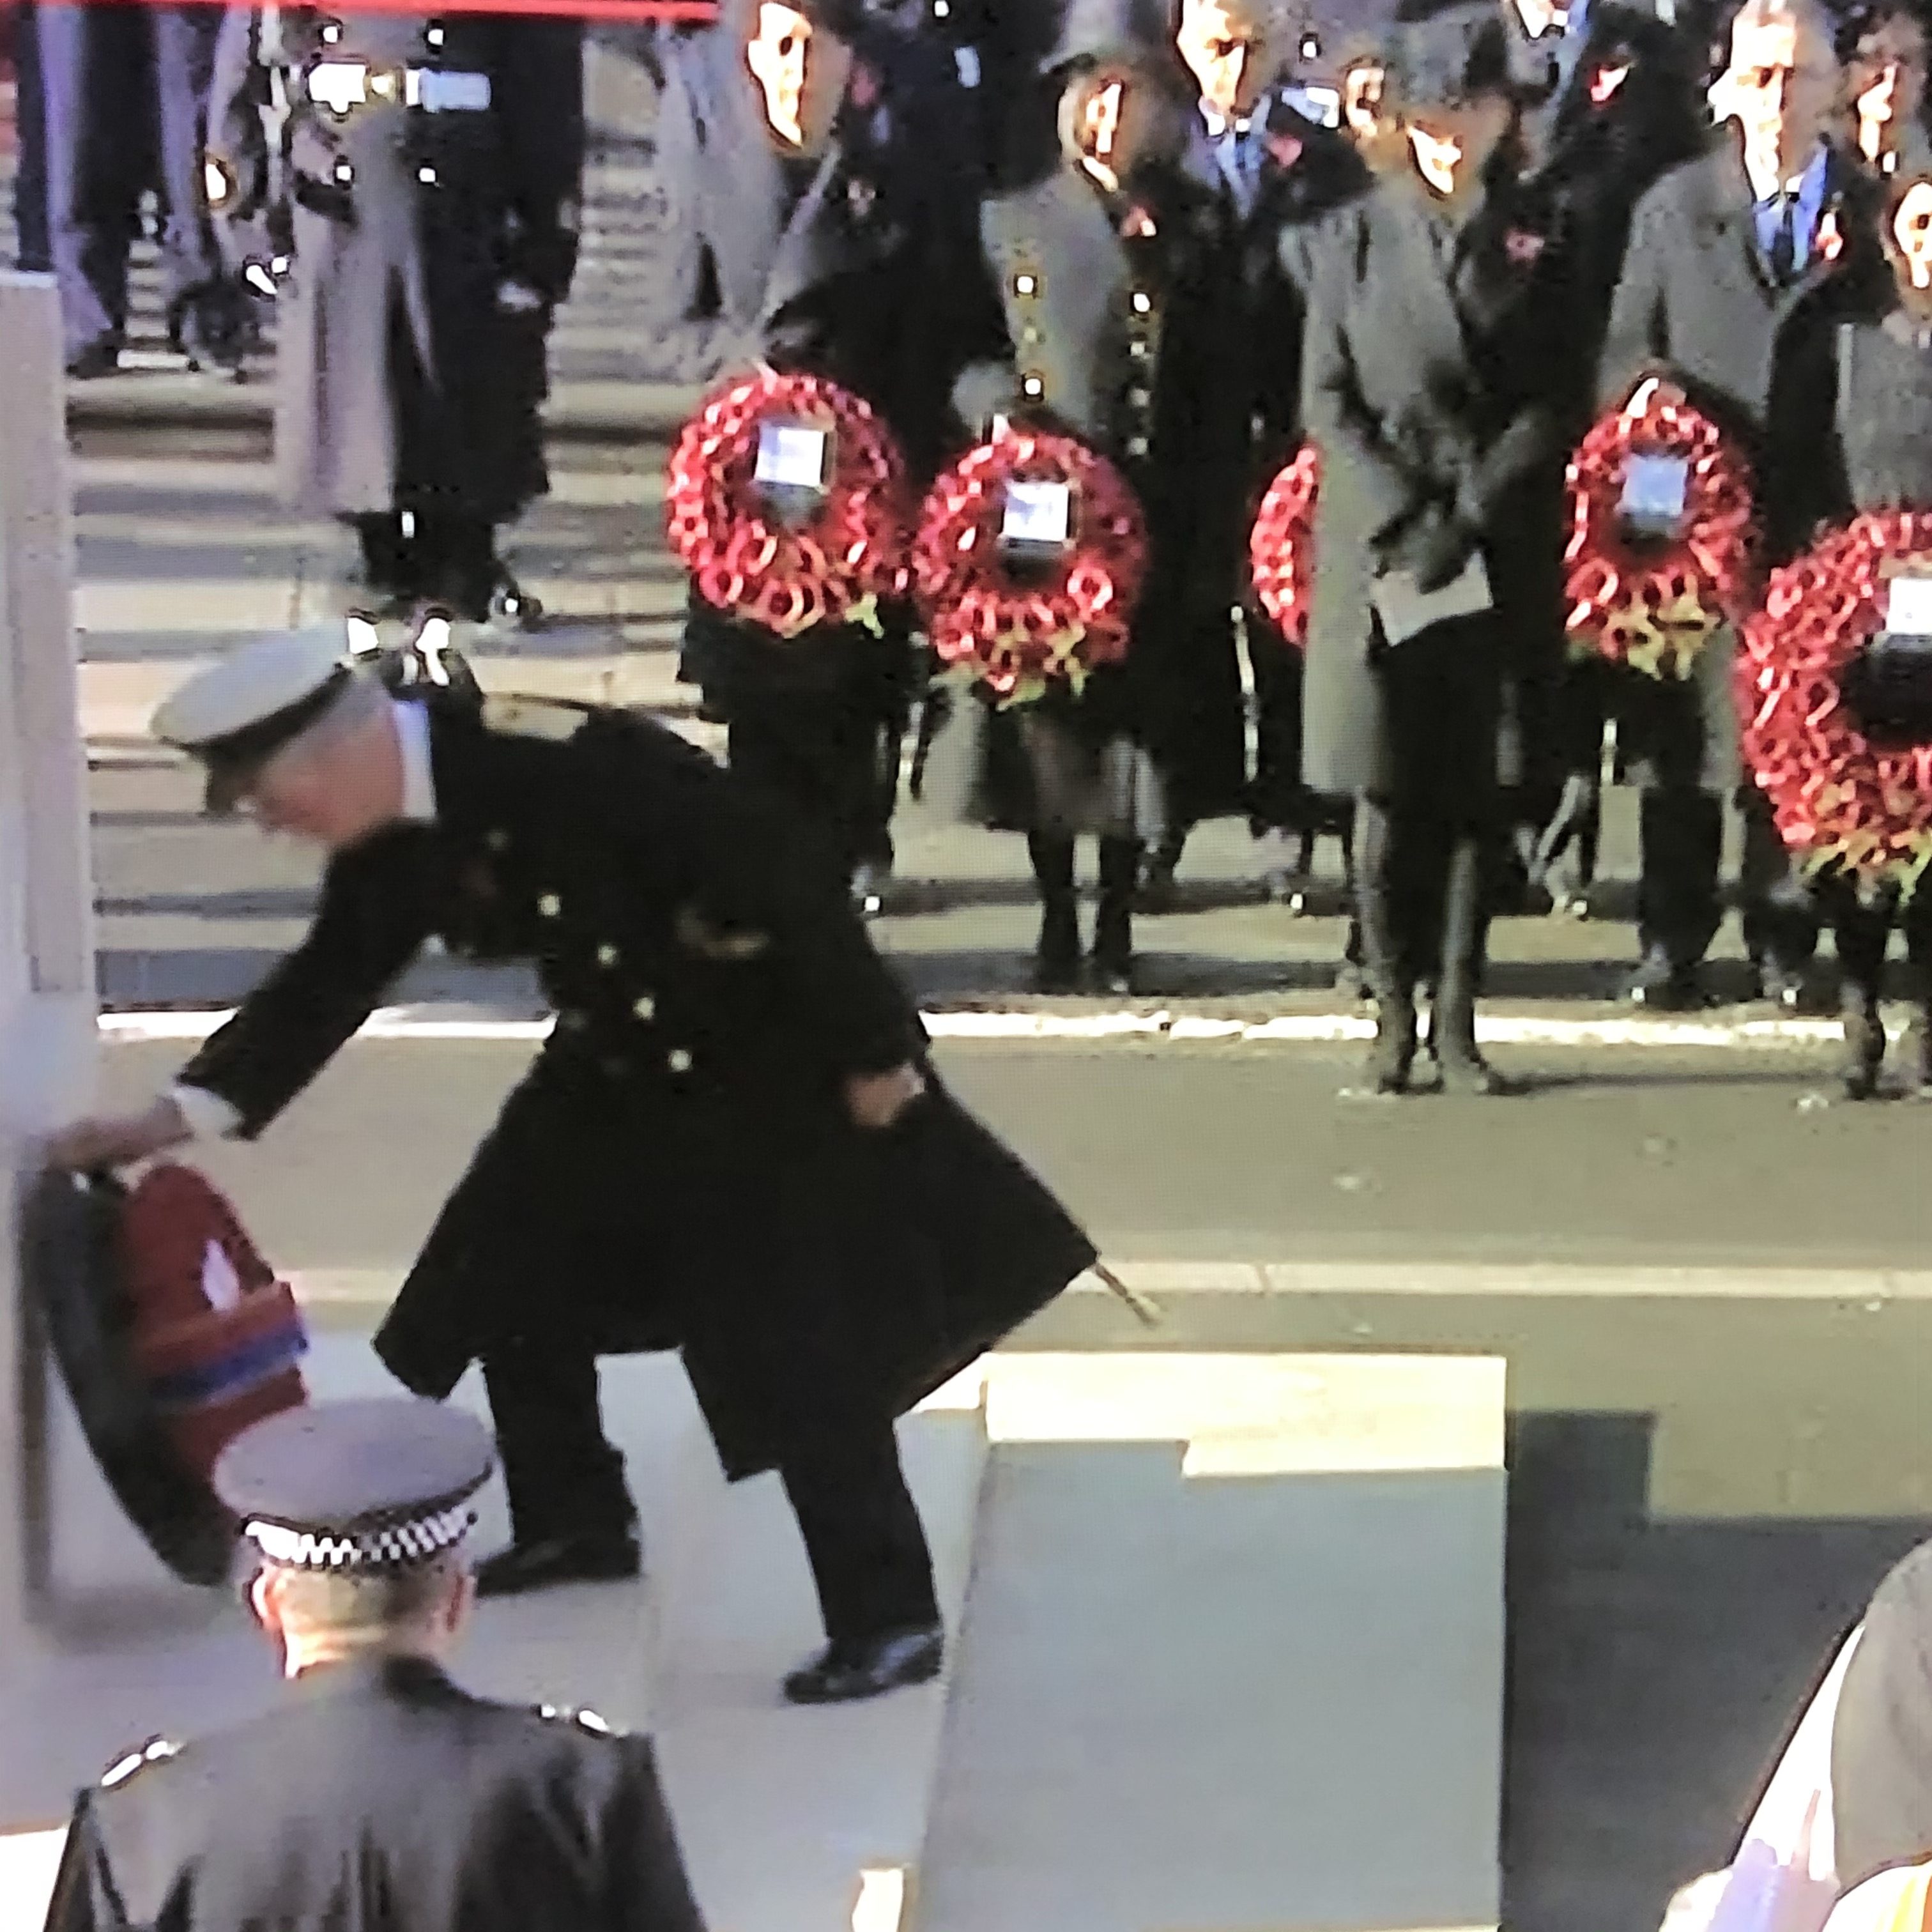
x,y
208,1116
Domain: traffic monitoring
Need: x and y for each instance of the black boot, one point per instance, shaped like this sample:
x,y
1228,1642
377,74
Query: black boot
x,y
390,576
1113,962
1056,959
1158,892
1390,979
1864,1043
1452,1030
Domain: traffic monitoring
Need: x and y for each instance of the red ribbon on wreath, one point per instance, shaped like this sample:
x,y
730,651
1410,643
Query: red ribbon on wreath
x,y
1019,633
741,558
1281,546
1654,604
1837,798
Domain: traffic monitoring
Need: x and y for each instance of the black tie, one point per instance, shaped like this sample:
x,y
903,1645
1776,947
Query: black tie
x,y
1784,240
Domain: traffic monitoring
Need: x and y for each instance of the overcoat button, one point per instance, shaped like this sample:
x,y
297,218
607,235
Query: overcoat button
x,y
1137,446
1140,398
427,175
497,839
549,906
1025,285
678,1061
1143,303
645,1008
606,955
344,173
1033,386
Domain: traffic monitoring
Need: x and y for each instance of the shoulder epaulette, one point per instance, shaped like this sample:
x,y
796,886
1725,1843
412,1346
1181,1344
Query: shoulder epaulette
x,y
557,719
156,1751
570,1713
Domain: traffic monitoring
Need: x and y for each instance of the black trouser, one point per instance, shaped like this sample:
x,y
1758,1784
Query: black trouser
x,y
1678,903
834,755
447,554
861,1531
1862,929
1425,884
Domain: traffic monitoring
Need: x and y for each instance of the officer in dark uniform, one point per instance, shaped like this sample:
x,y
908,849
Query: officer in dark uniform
x,y
119,104
1740,263
1116,334
375,1791
732,1143
435,168
874,281
1273,171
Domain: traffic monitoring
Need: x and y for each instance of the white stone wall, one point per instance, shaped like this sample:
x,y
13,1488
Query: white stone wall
x,y
46,948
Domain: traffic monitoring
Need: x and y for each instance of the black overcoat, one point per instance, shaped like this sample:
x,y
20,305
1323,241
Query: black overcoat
x,y
679,1168
1133,344
1695,303
378,1793
1425,391
402,380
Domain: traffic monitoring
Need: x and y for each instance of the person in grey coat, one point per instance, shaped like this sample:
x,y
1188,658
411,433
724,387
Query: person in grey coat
x,y
1116,336
1431,331
1740,264
433,170
853,245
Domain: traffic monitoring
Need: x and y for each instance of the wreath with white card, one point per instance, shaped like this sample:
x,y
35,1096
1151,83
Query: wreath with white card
x,y
1834,685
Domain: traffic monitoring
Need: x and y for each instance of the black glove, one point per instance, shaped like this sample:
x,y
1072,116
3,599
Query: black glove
x,y
1434,550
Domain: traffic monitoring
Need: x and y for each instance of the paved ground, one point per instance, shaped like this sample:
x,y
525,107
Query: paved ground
x,y
1709,1473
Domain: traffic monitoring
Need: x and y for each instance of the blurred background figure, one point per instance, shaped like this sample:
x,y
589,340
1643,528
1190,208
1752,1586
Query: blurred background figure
x,y
113,102
433,170
1884,48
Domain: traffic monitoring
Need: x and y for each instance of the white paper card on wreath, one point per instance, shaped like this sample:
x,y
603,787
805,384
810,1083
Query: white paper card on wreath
x,y
1908,607
1038,514
1406,610
790,456
1655,490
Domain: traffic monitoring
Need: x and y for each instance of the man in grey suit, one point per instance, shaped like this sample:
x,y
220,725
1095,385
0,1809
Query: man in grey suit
x,y
1740,264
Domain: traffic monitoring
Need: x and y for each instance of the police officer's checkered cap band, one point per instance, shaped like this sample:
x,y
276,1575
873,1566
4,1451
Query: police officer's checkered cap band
x,y
395,1546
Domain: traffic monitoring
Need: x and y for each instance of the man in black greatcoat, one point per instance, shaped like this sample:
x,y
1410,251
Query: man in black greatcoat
x,y
1271,172
732,1144
854,238
1740,265
433,168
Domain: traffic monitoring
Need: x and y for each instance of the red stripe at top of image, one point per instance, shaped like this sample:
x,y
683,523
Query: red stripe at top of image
x,y
692,13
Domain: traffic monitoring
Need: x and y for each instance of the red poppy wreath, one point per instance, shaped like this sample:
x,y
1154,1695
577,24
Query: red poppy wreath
x,y
1838,798
1020,624
832,566
1652,602
1281,546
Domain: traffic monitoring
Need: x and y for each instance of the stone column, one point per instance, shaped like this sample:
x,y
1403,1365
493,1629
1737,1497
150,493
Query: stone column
x,y
46,942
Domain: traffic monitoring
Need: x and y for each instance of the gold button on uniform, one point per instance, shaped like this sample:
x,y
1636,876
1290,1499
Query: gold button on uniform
x,y
606,955
645,1007
678,1061
1143,303
549,906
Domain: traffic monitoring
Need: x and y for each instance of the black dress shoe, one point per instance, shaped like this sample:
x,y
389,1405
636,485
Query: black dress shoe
x,y
1790,989
1662,987
606,1558
870,878
850,1669
95,359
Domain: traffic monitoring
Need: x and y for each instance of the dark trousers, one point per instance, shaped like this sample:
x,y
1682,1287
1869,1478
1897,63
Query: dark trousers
x,y
833,755
862,1535
1862,926
121,105
32,253
446,555
1425,885
1679,901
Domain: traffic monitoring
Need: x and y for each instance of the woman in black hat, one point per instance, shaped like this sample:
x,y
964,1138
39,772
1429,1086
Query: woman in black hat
x,y
1431,324
1096,238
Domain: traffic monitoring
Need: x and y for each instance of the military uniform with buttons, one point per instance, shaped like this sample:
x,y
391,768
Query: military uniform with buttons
x,y
434,168
679,1168
1109,333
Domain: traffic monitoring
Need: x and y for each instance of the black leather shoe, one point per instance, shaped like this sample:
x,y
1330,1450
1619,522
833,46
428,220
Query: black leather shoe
x,y
97,358
607,1558
870,878
1056,958
846,1671
1790,989
1662,987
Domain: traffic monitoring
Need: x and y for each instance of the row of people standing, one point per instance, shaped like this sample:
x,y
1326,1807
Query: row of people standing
x,y
1163,226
